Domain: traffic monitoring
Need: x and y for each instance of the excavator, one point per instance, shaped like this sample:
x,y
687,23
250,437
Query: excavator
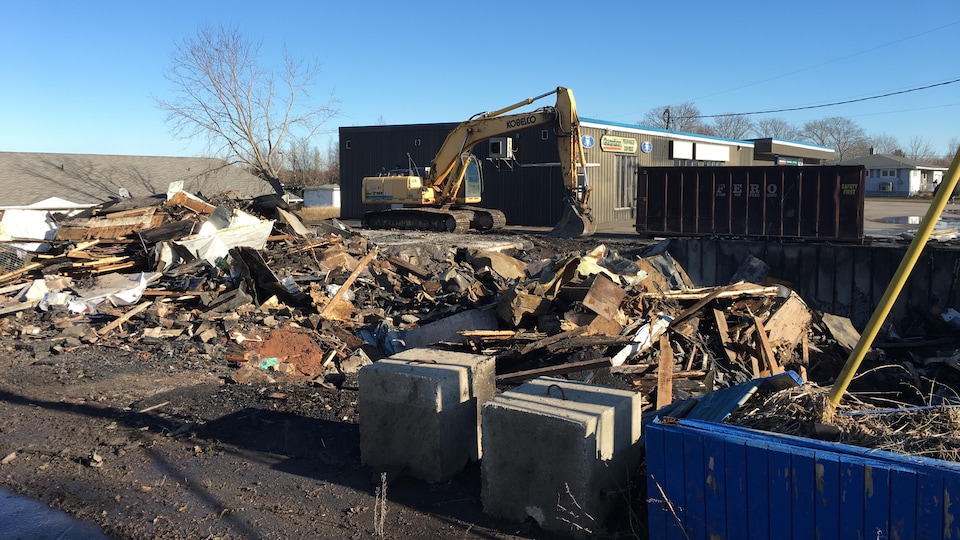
x,y
441,197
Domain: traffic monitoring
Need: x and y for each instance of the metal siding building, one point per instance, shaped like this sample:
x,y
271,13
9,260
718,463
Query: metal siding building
x,y
529,187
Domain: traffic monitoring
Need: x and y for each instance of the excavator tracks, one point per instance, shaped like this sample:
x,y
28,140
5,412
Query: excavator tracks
x,y
419,219
456,219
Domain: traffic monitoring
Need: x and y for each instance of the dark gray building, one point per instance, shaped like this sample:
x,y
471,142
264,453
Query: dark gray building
x,y
522,169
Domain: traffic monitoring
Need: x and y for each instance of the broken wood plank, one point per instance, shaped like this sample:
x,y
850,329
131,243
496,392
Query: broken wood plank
x,y
349,281
409,267
604,297
182,198
493,334
545,342
665,373
16,305
766,352
113,267
704,300
788,325
124,318
724,331
100,262
842,330
731,291
570,367
17,273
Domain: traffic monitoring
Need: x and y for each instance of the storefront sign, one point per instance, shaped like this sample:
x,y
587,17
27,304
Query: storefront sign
x,y
626,145
587,141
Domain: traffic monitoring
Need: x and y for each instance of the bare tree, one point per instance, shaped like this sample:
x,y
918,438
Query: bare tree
x,y
304,165
920,149
245,111
845,136
682,117
732,126
332,171
884,144
777,128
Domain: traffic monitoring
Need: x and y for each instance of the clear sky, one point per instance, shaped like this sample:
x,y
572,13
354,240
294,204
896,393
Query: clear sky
x,y
82,77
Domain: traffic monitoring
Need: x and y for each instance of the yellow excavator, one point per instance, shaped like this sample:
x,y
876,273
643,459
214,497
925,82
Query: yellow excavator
x,y
441,196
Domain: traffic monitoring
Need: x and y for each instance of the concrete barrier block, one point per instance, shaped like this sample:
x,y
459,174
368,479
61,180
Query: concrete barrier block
x,y
420,410
552,448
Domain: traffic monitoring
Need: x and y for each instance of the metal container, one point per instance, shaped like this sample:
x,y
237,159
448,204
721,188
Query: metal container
x,y
811,202
713,481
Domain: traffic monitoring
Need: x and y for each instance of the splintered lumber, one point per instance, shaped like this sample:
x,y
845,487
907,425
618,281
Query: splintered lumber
x,y
569,367
540,344
766,352
78,251
346,284
665,373
113,267
100,262
17,273
124,318
409,267
724,332
184,199
788,325
842,330
730,291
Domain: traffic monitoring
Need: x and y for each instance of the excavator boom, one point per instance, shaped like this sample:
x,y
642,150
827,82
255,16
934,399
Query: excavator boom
x,y
453,180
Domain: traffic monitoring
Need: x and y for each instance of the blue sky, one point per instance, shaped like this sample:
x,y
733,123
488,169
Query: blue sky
x,y
82,77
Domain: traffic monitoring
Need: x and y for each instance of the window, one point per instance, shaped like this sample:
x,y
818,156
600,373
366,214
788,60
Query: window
x,y
626,184
416,142
544,134
888,173
348,145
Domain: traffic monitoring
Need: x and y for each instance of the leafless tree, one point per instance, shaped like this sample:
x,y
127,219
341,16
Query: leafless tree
x,y
308,166
732,126
246,112
777,128
845,136
682,117
304,165
884,144
920,149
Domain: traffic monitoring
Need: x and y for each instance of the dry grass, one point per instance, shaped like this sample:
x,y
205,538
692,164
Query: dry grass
x,y
922,431
317,213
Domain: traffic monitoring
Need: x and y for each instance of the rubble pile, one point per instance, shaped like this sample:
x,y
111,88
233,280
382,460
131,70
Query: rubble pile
x,y
245,282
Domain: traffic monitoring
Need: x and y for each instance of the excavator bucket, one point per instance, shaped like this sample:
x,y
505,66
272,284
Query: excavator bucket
x,y
574,223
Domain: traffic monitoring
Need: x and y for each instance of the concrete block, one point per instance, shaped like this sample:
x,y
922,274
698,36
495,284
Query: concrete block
x,y
552,447
420,410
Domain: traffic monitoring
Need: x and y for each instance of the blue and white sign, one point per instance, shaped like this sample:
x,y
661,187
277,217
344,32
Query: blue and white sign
x,y
646,147
587,141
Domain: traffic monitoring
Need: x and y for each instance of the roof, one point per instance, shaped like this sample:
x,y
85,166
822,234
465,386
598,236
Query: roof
x,y
890,161
27,178
771,147
646,130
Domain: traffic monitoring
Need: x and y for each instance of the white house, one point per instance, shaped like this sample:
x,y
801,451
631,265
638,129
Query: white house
x,y
895,176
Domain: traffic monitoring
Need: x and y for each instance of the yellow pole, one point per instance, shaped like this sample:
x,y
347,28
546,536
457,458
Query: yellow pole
x,y
947,185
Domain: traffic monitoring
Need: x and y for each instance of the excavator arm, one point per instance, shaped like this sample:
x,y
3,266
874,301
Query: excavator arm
x,y
441,186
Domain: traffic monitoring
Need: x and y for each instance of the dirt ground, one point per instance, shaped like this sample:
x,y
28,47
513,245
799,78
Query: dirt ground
x,y
153,440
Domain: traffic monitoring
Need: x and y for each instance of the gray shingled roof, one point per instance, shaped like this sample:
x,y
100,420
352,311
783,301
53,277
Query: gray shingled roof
x,y
889,161
26,178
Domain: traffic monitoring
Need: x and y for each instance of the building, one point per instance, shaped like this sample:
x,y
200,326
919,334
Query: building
x,y
781,152
894,176
521,170
29,178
